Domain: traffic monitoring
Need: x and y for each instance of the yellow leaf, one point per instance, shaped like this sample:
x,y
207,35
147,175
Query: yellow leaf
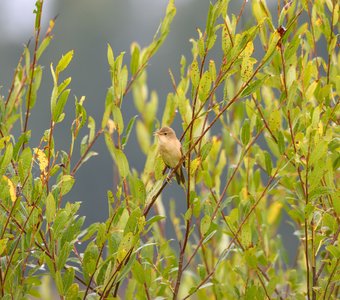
x,y
41,156
273,212
247,68
195,74
194,165
11,188
3,245
320,128
274,120
248,50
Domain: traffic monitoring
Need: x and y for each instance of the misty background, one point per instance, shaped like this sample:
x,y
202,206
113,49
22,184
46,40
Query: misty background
x,y
86,26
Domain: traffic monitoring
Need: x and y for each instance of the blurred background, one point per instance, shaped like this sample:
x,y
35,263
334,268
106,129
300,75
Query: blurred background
x,y
87,26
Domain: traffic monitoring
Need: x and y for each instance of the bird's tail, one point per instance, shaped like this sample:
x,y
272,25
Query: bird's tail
x,y
180,176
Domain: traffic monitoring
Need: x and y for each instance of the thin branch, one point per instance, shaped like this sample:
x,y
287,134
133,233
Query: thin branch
x,y
76,167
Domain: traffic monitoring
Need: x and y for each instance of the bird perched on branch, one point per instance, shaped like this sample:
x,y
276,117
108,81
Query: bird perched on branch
x,y
170,149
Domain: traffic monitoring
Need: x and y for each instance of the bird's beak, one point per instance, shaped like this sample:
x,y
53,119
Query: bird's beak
x,y
156,133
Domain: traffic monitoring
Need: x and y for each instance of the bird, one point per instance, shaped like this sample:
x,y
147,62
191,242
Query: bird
x,y
170,149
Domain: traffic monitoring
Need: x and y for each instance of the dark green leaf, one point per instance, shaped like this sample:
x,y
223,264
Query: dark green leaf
x,y
268,162
245,132
253,87
59,107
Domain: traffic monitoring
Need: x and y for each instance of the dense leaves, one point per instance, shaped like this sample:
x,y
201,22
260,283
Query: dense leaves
x,y
273,160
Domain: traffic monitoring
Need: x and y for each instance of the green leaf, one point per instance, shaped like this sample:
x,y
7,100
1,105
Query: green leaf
x,y
205,150
273,41
125,138
24,138
59,107
89,260
245,132
268,162
59,282
209,236
64,62
68,278
188,214
281,143
63,255
159,167
135,50
131,224
72,292
83,144
138,272
138,190
155,219
118,119
3,245
319,191
50,208
35,86
205,224
319,151
64,85
118,157
44,44
107,112
110,57
207,178
274,120
204,86
65,184
250,257
122,162
334,250
253,87
246,235
125,246
6,159
37,11
101,235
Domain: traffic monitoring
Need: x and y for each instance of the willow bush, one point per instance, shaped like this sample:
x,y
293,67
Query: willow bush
x,y
272,98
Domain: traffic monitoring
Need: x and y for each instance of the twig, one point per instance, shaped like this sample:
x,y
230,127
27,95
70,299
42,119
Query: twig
x,y
76,167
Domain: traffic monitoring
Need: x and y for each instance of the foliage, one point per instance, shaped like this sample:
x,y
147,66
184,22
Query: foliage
x,y
277,151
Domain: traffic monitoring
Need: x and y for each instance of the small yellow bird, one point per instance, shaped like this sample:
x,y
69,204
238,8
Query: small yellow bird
x,y
170,149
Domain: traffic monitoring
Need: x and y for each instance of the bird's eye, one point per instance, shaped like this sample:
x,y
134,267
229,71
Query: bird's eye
x,y
165,133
